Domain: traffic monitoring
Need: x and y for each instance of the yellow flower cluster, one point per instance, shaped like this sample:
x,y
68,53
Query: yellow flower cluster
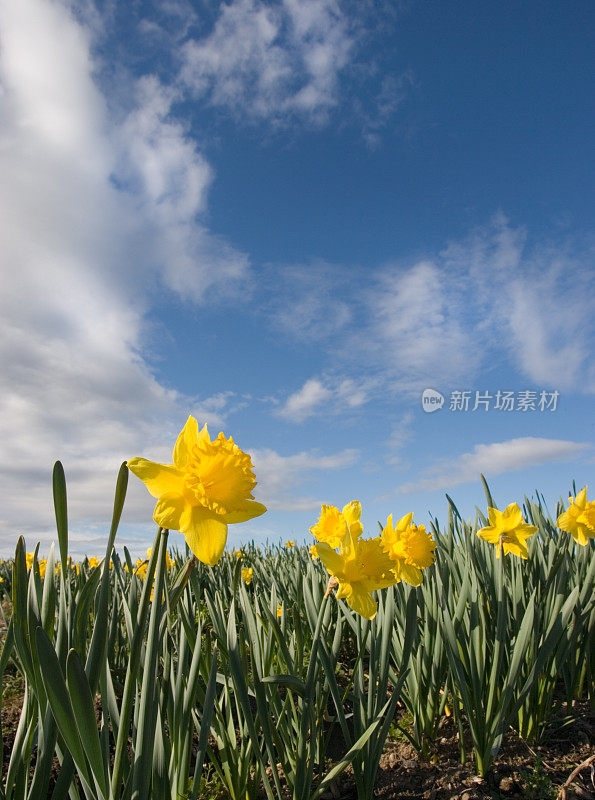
x,y
363,565
579,518
247,573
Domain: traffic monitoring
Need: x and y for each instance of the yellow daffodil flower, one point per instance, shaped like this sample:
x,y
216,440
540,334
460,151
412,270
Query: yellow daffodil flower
x,y
247,575
208,486
361,566
240,554
333,524
579,518
93,562
289,544
42,567
279,610
313,551
508,531
409,547
29,560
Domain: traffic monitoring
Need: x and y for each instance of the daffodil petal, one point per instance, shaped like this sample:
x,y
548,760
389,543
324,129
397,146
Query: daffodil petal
x,y
489,534
411,574
404,522
158,478
512,517
206,538
248,510
362,602
186,440
330,558
493,516
352,512
516,548
171,511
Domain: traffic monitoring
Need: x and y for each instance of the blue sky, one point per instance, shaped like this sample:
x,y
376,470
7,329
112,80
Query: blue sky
x,y
289,219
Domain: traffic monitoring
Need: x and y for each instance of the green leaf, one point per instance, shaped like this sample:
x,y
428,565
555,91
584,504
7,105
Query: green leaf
x,y
59,701
289,681
84,714
60,509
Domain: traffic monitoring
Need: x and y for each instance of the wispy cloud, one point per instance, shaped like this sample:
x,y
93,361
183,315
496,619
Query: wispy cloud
x,y
493,298
272,61
531,300
400,435
303,403
417,326
334,395
280,476
84,243
494,459
308,301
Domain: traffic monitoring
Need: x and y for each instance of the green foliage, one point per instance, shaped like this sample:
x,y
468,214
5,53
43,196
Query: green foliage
x,y
180,682
537,784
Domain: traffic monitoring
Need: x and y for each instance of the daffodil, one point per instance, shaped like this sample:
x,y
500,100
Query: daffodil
x,y
208,486
579,518
29,560
410,548
93,562
508,531
361,566
42,567
313,551
289,544
333,524
247,575
240,554
279,610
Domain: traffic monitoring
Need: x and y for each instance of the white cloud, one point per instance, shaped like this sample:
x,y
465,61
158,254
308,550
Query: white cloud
x,y
488,300
303,403
417,327
279,476
331,394
304,301
170,178
400,435
494,459
533,303
83,244
272,61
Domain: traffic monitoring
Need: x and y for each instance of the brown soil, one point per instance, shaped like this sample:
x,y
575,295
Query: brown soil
x,y
515,773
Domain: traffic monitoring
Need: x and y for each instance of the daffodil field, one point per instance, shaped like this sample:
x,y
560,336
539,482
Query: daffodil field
x,y
275,669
